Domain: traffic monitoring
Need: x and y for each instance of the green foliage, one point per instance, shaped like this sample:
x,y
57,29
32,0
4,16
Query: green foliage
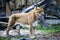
x,y
3,38
56,27
17,37
53,28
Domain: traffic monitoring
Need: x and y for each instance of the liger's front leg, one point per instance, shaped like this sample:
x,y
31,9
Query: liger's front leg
x,y
31,31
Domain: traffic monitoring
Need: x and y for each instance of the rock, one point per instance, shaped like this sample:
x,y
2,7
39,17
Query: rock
x,y
3,34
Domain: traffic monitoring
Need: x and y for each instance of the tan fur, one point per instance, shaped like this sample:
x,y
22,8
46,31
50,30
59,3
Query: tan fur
x,y
27,18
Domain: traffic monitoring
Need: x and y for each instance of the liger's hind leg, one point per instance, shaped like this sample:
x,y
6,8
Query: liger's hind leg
x,y
10,24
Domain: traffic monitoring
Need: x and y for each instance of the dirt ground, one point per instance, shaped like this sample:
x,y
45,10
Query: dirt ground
x,y
39,35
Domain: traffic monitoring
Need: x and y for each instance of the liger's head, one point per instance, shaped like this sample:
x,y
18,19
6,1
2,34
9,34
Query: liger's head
x,y
39,11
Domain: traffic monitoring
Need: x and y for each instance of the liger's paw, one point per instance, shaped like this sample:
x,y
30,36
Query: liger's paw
x,y
32,37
